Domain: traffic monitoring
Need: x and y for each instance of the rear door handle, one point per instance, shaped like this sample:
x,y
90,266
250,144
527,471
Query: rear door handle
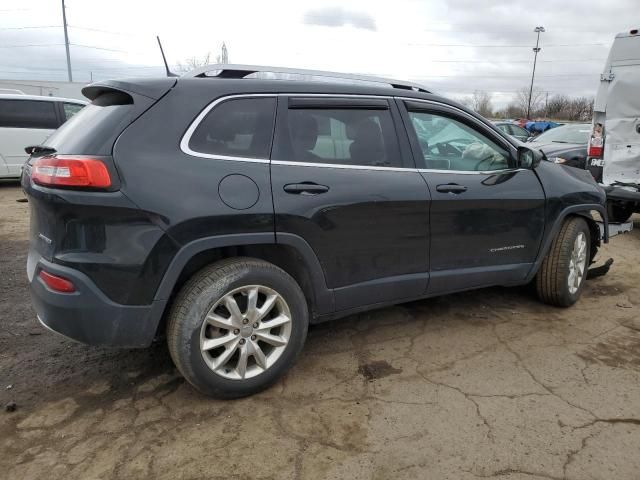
x,y
451,188
305,188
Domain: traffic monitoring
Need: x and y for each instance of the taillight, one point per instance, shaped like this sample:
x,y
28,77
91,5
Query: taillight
x,y
56,283
70,171
595,149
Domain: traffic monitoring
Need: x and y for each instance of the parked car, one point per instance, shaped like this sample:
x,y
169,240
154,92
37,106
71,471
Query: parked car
x,y
614,144
566,144
514,130
187,206
28,120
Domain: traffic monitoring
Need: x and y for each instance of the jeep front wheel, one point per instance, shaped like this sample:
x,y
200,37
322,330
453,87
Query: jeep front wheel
x,y
561,277
236,327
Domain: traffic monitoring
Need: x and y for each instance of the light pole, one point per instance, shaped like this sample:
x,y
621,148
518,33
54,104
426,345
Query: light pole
x,y
536,49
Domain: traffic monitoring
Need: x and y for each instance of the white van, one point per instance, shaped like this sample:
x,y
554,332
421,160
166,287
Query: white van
x,y
613,155
27,120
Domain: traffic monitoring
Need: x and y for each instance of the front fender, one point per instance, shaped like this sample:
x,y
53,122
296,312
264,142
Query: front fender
x,y
581,210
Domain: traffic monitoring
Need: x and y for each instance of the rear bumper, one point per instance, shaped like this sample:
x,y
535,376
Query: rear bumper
x,y
87,315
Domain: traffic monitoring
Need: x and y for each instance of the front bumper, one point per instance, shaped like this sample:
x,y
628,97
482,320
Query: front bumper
x,y
87,315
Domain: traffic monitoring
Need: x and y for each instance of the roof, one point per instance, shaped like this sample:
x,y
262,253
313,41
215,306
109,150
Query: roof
x,y
241,71
15,96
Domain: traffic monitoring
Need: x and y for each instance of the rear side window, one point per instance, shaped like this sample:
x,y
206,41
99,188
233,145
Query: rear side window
x,y
241,127
358,137
70,109
28,114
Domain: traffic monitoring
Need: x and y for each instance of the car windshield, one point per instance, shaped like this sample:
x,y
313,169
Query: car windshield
x,y
567,134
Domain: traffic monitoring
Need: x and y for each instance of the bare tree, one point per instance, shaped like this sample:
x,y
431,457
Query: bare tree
x,y
480,101
522,100
192,63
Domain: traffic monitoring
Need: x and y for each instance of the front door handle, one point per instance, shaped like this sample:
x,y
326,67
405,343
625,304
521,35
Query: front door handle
x,y
305,188
451,188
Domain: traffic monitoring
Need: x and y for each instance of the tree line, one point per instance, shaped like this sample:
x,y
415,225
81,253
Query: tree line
x,y
543,106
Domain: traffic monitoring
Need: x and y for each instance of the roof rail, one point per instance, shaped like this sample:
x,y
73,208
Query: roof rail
x,y
241,71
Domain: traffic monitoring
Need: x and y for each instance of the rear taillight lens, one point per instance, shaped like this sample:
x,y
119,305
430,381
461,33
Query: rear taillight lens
x,y
56,283
595,151
70,171
595,148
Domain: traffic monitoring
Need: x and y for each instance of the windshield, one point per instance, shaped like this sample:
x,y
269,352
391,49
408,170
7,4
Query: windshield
x,y
578,133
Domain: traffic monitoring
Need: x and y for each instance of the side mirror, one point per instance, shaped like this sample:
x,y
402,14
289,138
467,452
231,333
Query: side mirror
x,y
528,158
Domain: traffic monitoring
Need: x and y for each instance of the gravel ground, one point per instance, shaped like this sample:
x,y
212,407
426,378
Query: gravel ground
x,y
485,384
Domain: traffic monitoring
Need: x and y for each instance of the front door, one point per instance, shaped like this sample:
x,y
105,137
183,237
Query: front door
x,y
345,182
487,216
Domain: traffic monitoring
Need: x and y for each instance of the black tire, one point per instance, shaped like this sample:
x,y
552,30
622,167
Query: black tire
x,y
552,280
619,213
201,293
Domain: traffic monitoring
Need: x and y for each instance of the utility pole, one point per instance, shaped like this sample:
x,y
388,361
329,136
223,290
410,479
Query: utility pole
x,y
66,41
536,49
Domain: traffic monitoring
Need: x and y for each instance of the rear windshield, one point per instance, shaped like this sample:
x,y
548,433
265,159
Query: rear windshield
x,y
566,134
94,128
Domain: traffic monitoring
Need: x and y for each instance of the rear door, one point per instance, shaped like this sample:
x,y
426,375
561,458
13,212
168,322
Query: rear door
x,y
487,216
345,182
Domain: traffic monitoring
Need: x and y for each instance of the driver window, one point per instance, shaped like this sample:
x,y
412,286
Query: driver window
x,y
450,145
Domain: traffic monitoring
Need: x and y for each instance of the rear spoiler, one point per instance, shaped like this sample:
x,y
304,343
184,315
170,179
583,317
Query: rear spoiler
x,y
150,88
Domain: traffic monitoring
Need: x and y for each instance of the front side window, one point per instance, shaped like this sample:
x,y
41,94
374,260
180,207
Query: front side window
x,y
28,114
355,137
448,144
70,109
241,127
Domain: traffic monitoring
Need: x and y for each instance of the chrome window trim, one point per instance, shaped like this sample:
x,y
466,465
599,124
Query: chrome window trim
x,y
473,172
184,143
343,166
186,138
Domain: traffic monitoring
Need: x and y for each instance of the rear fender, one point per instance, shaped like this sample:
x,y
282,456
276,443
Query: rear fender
x,y
323,297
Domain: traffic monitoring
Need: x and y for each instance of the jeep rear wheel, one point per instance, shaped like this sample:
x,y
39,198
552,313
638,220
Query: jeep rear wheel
x,y
561,277
236,327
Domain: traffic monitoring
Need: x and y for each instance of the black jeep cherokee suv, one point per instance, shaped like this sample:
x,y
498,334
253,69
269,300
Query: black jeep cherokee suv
x,y
232,212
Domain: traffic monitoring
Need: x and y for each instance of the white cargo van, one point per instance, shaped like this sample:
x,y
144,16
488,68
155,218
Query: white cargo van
x,y
613,155
27,120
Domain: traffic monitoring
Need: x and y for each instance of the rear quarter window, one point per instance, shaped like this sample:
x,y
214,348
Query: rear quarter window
x,y
240,127
28,114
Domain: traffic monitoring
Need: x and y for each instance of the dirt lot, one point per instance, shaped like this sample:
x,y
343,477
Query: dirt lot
x,y
476,385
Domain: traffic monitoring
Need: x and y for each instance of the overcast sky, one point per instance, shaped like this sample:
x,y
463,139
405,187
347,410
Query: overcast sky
x,y
454,46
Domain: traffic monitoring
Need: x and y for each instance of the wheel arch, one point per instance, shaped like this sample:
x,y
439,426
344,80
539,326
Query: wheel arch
x,y
291,253
581,211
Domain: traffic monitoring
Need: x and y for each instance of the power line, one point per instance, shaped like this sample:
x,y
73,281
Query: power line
x,y
110,32
30,27
33,45
94,47
469,45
